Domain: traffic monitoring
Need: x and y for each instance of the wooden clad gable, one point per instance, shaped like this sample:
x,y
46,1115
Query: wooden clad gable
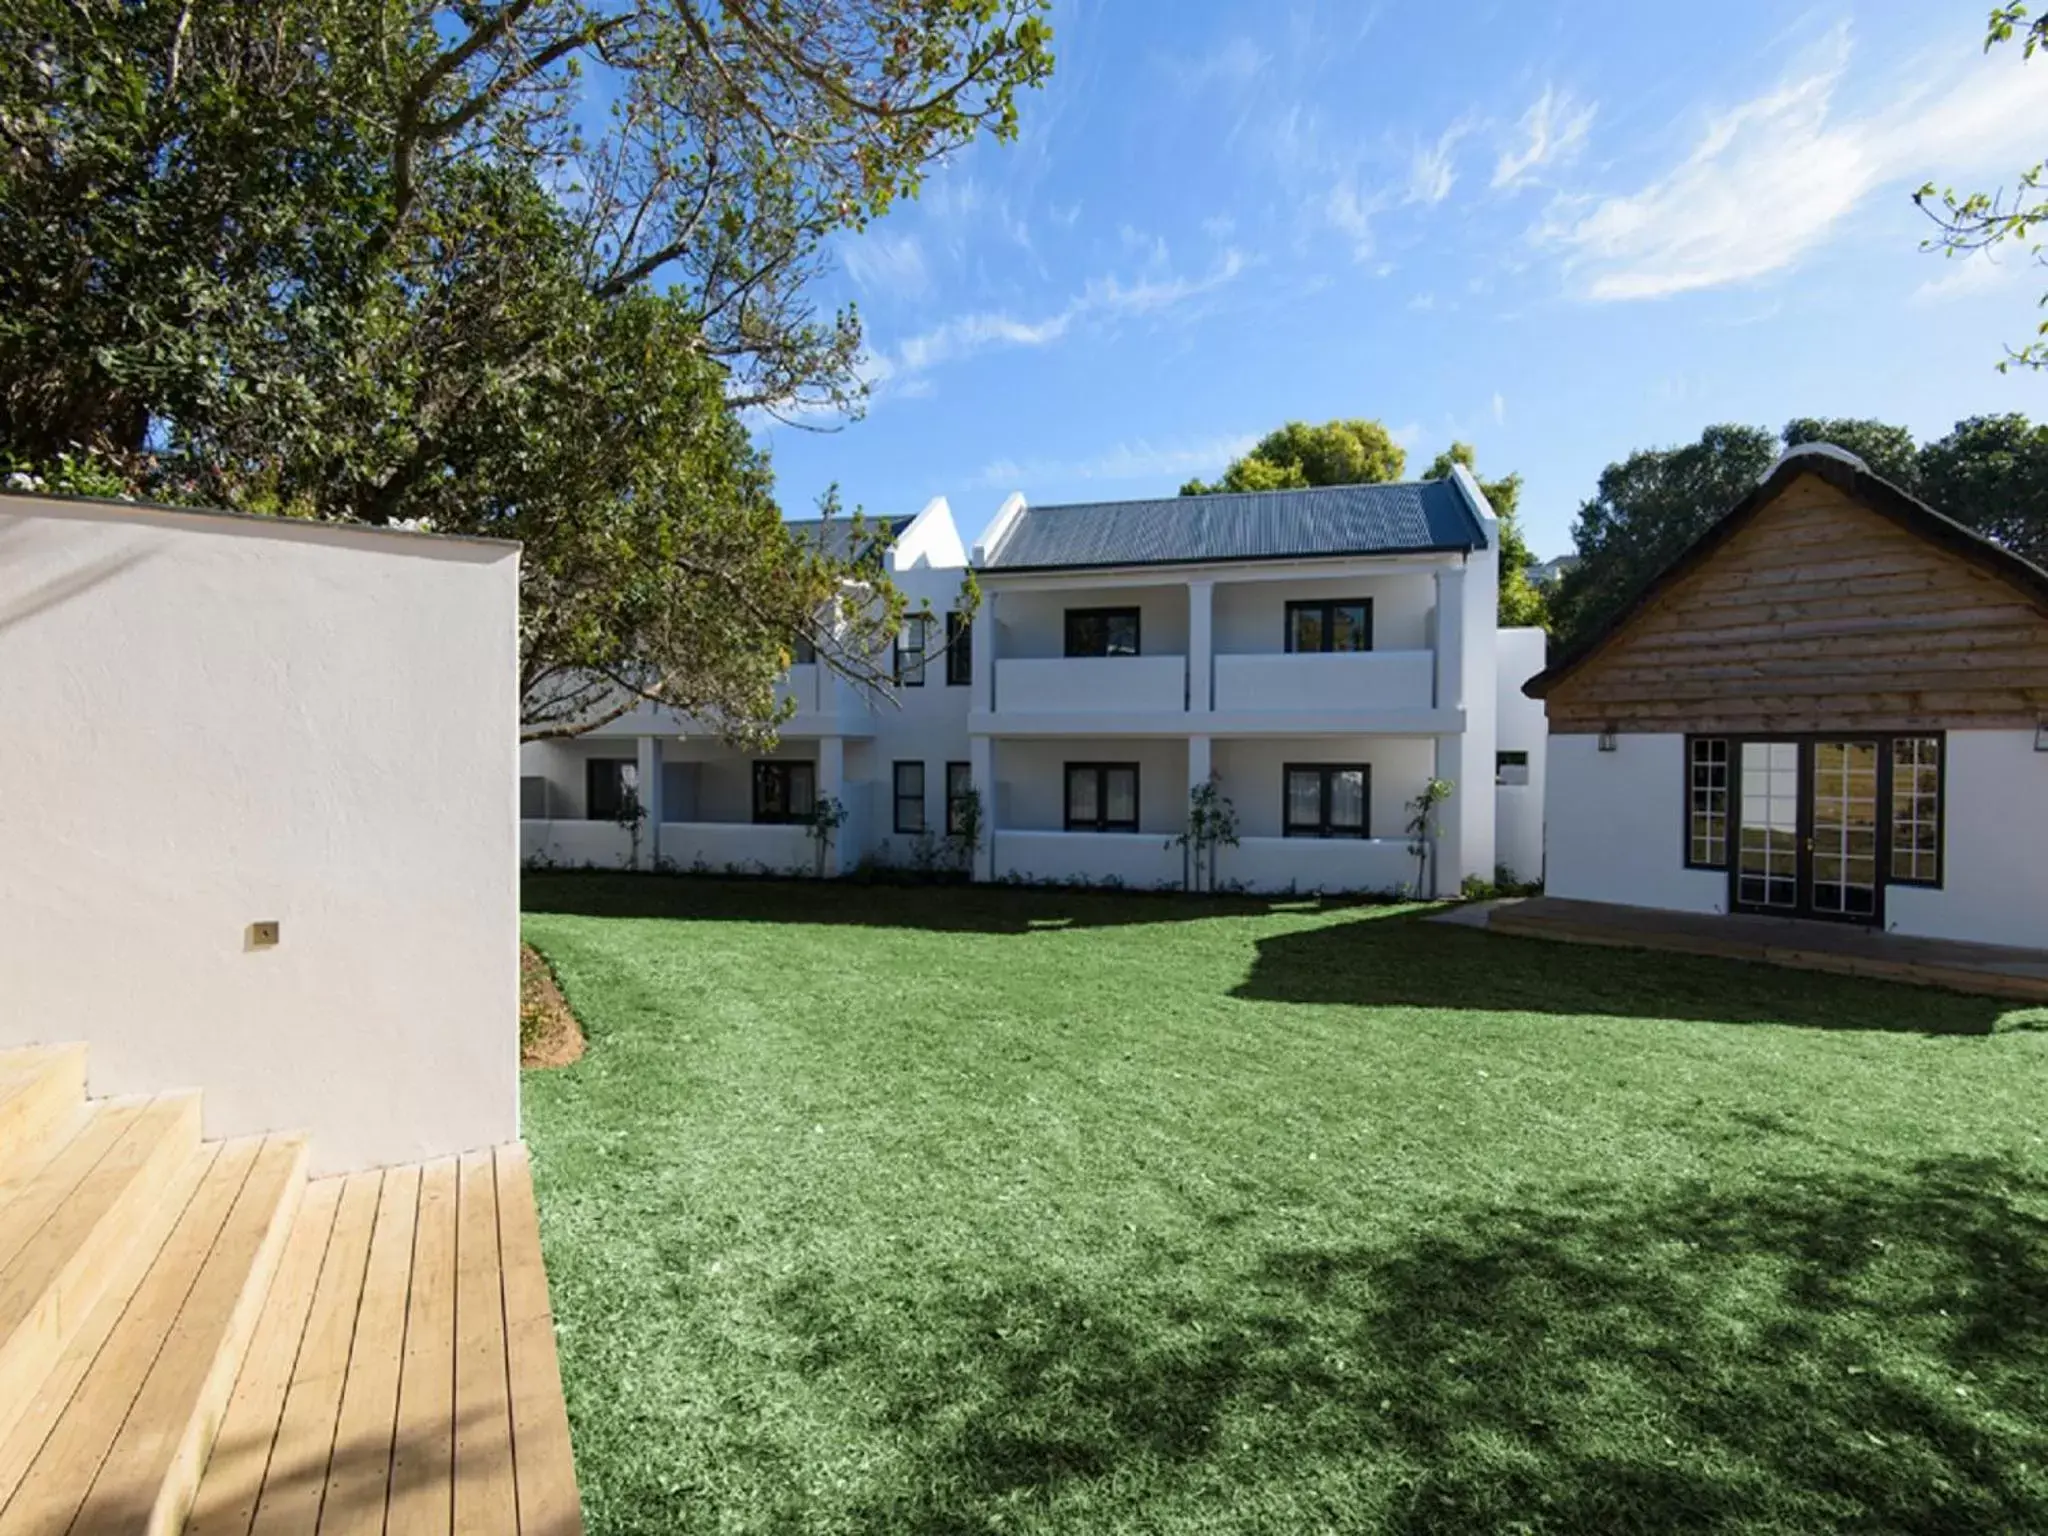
x,y
1817,611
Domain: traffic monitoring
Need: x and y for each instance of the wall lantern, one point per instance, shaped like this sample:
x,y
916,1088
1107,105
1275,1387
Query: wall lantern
x,y
1608,743
2041,737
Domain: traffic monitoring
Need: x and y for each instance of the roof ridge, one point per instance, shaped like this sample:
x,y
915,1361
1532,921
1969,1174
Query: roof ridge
x,y
1210,496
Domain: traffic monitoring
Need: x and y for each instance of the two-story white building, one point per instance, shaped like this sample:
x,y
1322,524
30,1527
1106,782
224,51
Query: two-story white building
x,y
1320,654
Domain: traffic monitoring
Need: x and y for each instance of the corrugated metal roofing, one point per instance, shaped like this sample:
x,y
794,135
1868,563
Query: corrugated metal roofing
x,y
1260,525
834,535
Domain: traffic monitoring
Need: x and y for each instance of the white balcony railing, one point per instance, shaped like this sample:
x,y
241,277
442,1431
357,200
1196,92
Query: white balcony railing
x,y
804,684
1336,681
1092,684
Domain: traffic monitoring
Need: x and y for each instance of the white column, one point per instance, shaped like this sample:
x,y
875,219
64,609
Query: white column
x,y
1446,855
1198,775
981,767
647,769
1450,638
985,655
1201,648
832,782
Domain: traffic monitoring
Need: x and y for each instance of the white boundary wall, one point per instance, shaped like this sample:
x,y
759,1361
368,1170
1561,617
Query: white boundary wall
x,y
215,721
1617,824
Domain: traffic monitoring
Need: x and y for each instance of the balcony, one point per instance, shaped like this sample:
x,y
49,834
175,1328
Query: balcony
x,y
1093,685
1339,682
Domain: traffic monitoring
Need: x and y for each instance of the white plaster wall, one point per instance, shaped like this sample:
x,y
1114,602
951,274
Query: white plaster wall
x,y
1995,848
1250,769
1031,780
1617,825
1033,622
216,721
1520,726
1307,865
1251,616
1141,861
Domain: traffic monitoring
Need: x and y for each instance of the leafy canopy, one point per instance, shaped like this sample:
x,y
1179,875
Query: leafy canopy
x,y
509,267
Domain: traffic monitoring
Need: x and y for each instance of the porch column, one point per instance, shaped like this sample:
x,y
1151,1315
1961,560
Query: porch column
x,y
1199,758
832,783
647,770
1201,649
981,768
1450,639
984,658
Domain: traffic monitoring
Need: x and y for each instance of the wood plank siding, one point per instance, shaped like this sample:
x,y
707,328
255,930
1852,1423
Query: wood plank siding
x,y
1818,613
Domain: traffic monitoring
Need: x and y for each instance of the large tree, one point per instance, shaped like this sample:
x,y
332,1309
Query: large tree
x,y
1521,601
509,267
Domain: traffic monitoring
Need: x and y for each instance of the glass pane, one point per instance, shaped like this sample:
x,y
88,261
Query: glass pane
x,y
959,779
1916,808
1121,634
1307,629
1844,879
1084,634
803,789
1120,794
1349,628
1347,799
1304,798
1767,849
1082,802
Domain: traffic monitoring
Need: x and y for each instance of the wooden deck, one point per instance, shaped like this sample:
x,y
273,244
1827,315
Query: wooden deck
x,y
402,1375
1986,969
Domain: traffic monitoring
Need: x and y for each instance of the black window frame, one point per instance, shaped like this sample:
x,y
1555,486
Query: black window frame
x,y
785,768
591,769
1102,771
1729,746
959,649
911,662
956,797
1890,846
900,798
1511,757
1322,827
1135,615
803,651
1326,607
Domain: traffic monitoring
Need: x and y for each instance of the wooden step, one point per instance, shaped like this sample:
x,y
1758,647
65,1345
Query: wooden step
x,y
123,1453
63,1232
41,1088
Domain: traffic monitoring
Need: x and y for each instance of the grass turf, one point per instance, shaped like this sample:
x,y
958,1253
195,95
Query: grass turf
x,y
988,1210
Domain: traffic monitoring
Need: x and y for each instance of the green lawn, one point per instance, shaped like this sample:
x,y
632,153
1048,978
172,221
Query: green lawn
x,y
992,1210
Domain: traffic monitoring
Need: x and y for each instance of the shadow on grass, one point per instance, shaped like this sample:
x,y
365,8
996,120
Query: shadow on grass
x,y
1401,961
1822,1353
937,908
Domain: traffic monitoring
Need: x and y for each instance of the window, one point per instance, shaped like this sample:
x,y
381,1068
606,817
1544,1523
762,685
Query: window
x,y
1916,810
911,645
1102,797
1706,805
1102,631
611,788
1510,767
1338,624
784,792
1325,799
959,786
533,797
804,652
910,797
959,650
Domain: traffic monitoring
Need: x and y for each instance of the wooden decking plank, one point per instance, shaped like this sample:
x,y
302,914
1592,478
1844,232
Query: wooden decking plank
x,y
484,1499
422,1458
546,1467
233,1480
359,1475
146,1483
297,1475
63,1471
20,1446
39,1087
37,1195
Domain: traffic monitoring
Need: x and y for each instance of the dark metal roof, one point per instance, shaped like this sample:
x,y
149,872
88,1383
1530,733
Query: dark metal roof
x,y
834,535
1408,518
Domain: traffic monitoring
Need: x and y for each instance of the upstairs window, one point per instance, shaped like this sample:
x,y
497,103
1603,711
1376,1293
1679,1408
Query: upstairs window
x,y
1916,810
1335,624
912,642
1102,631
802,651
784,792
1707,790
611,787
1325,799
959,650
1102,797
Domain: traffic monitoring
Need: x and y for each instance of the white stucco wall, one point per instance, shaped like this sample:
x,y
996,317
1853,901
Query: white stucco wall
x,y
1251,768
1520,726
217,721
1251,616
1995,847
1031,780
1033,623
1617,824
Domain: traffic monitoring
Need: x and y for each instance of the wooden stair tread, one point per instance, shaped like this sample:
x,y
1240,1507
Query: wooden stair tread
x,y
41,1086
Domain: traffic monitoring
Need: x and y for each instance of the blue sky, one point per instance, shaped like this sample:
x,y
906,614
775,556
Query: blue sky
x,y
1559,232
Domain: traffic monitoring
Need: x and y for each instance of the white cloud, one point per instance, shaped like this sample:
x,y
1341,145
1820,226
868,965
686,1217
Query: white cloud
x,y
1771,179
1233,62
1553,131
1965,277
1500,409
1423,303
1407,435
1431,173
1104,297
1141,460
1351,212
885,263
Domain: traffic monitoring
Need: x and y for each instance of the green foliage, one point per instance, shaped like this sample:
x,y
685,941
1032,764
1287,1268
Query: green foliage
x,y
965,828
1211,825
1423,829
828,815
1343,452
1968,223
371,262
1522,602
1989,473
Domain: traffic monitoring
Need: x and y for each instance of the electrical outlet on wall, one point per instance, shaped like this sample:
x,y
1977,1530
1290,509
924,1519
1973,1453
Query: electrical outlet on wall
x,y
263,935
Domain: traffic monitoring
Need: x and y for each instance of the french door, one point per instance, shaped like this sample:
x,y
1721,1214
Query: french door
x,y
1810,828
